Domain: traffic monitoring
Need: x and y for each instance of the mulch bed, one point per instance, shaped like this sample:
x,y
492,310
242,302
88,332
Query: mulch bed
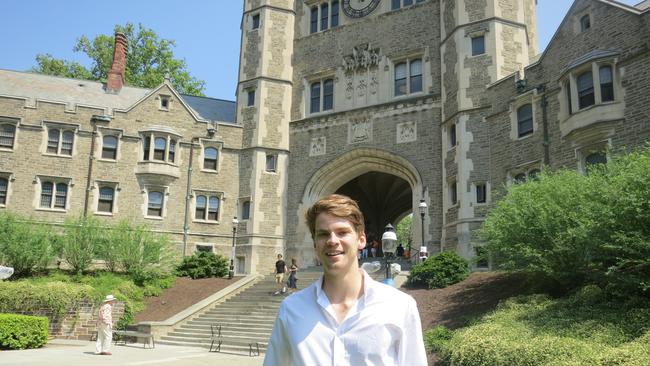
x,y
184,293
455,305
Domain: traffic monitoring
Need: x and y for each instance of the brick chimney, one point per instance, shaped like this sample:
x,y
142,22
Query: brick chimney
x,y
116,74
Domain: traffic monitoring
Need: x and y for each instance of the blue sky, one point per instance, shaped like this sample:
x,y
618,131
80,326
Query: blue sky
x,y
206,32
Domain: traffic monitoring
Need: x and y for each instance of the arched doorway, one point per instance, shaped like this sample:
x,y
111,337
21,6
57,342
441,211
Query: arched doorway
x,y
382,197
387,187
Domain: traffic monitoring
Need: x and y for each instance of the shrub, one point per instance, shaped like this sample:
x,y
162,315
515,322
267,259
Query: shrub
x,y
202,264
439,271
18,296
22,331
25,246
437,338
78,243
135,250
579,229
537,330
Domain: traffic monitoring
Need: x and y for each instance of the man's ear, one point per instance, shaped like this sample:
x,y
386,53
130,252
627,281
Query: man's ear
x,y
362,240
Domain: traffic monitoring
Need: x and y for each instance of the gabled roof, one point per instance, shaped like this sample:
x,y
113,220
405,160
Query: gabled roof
x,y
212,109
75,92
637,9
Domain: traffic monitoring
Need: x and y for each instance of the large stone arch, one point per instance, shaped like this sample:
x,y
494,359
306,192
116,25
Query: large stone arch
x,y
344,168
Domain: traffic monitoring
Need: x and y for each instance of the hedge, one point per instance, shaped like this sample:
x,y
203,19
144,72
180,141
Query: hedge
x,y
22,331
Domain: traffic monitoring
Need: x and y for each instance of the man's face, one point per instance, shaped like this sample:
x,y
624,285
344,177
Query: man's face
x,y
336,243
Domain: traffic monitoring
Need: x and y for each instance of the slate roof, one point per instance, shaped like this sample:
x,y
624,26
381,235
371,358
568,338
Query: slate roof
x,y
590,56
211,108
74,92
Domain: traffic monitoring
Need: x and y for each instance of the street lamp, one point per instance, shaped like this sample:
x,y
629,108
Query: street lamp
x,y
388,245
231,273
423,211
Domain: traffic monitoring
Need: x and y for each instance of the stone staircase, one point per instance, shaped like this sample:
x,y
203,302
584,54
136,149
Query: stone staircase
x,y
245,319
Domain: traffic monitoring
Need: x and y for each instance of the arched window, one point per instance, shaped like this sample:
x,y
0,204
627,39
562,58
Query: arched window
x,y
106,199
66,144
159,146
201,203
109,147
210,155
585,90
525,120
606,84
146,145
315,97
53,141
155,204
400,79
172,151
4,184
246,210
213,209
7,135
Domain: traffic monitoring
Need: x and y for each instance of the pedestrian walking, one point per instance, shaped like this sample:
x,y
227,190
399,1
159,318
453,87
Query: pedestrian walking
x,y
105,327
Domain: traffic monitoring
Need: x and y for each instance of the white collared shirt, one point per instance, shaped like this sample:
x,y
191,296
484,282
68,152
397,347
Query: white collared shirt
x,y
382,328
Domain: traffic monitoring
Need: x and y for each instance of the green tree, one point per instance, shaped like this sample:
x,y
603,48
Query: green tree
x,y
404,232
149,59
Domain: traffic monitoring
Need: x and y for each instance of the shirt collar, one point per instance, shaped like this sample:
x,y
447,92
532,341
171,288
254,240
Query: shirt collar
x,y
368,291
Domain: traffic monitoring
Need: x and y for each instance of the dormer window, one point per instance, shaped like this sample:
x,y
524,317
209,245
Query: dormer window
x,y
164,102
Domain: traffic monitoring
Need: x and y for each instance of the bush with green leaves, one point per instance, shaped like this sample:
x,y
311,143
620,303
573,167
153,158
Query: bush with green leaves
x,y
136,250
582,329
24,245
437,338
441,270
202,265
17,296
579,229
22,331
77,245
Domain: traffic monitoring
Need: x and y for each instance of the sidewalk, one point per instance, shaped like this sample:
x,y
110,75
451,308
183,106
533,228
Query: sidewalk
x,y
60,352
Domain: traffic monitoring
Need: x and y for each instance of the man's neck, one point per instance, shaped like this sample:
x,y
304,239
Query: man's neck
x,y
343,288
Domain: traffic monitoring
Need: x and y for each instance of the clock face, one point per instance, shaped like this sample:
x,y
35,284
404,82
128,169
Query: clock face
x,y
359,8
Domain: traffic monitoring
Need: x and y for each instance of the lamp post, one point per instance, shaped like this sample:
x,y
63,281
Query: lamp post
x,y
388,244
423,211
231,273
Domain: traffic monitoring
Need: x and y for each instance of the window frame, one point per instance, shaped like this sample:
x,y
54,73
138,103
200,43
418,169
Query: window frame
x,y
105,150
55,194
6,194
250,98
529,120
255,21
148,151
452,136
61,130
481,192
273,158
14,125
409,77
321,95
453,193
478,48
400,4
162,203
324,15
206,215
100,200
245,209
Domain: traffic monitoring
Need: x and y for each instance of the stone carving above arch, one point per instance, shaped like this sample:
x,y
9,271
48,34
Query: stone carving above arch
x,y
317,146
362,58
359,130
406,132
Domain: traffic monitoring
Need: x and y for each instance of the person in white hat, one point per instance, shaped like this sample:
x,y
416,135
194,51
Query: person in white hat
x,y
105,327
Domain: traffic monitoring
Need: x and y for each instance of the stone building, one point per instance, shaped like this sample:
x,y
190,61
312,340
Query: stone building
x,y
393,102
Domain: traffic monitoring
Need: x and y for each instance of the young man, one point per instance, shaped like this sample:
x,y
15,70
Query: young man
x,y
345,318
105,327
280,270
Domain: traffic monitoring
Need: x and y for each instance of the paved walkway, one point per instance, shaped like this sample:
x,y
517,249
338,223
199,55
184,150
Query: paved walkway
x,y
59,352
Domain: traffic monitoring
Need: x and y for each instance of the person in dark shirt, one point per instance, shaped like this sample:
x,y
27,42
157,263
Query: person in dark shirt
x,y
280,270
400,250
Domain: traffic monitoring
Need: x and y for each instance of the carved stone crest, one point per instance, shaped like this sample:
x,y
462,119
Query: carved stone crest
x,y
406,132
359,130
317,146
